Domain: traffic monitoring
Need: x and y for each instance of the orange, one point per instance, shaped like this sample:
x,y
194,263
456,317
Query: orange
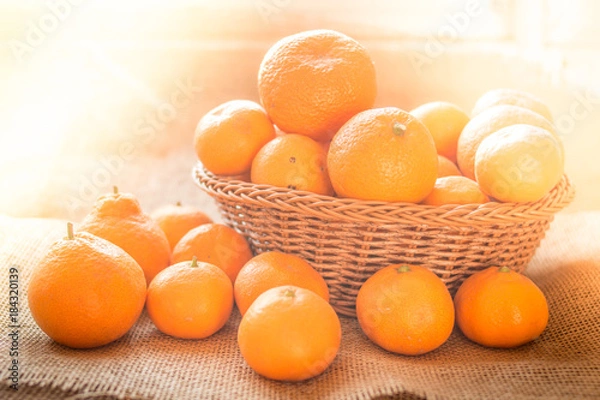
x,y
295,162
215,244
118,218
498,307
312,82
190,300
271,269
229,136
455,190
289,334
487,122
405,309
445,122
519,163
512,97
383,154
447,167
86,292
177,220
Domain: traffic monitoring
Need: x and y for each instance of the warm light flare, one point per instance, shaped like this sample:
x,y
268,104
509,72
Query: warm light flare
x,y
73,89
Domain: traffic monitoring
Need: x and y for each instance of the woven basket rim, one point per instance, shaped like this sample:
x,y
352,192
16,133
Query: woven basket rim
x,y
232,188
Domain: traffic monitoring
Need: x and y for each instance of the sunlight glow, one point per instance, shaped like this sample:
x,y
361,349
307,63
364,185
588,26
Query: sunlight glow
x,y
65,87
58,83
38,125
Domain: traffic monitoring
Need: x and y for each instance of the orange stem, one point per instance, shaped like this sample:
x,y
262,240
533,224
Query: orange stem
x,y
403,268
70,235
399,129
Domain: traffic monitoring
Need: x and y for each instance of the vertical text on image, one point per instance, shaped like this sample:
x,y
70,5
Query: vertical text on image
x,y
14,326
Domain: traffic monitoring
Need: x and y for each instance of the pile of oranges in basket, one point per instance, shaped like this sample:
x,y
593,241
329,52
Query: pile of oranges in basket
x,y
315,130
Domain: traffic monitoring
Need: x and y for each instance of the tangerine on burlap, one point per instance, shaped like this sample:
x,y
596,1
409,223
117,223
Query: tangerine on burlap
x,y
563,363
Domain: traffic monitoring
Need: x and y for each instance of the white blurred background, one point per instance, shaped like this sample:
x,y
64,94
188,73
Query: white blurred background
x,y
96,93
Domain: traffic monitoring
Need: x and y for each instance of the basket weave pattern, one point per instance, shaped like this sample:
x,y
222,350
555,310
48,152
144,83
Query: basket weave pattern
x,y
348,240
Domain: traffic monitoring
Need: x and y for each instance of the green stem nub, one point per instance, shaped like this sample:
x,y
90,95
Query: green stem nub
x,y
504,269
194,262
115,190
289,293
403,268
399,129
70,235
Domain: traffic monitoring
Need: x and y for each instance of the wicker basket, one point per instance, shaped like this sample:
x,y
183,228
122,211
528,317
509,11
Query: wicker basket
x,y
348,240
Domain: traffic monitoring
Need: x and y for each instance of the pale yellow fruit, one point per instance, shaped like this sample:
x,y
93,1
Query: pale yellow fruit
x,y
488,122
519,163
512,97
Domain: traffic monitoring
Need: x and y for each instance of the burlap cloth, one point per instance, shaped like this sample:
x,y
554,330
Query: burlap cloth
x,y
563,363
